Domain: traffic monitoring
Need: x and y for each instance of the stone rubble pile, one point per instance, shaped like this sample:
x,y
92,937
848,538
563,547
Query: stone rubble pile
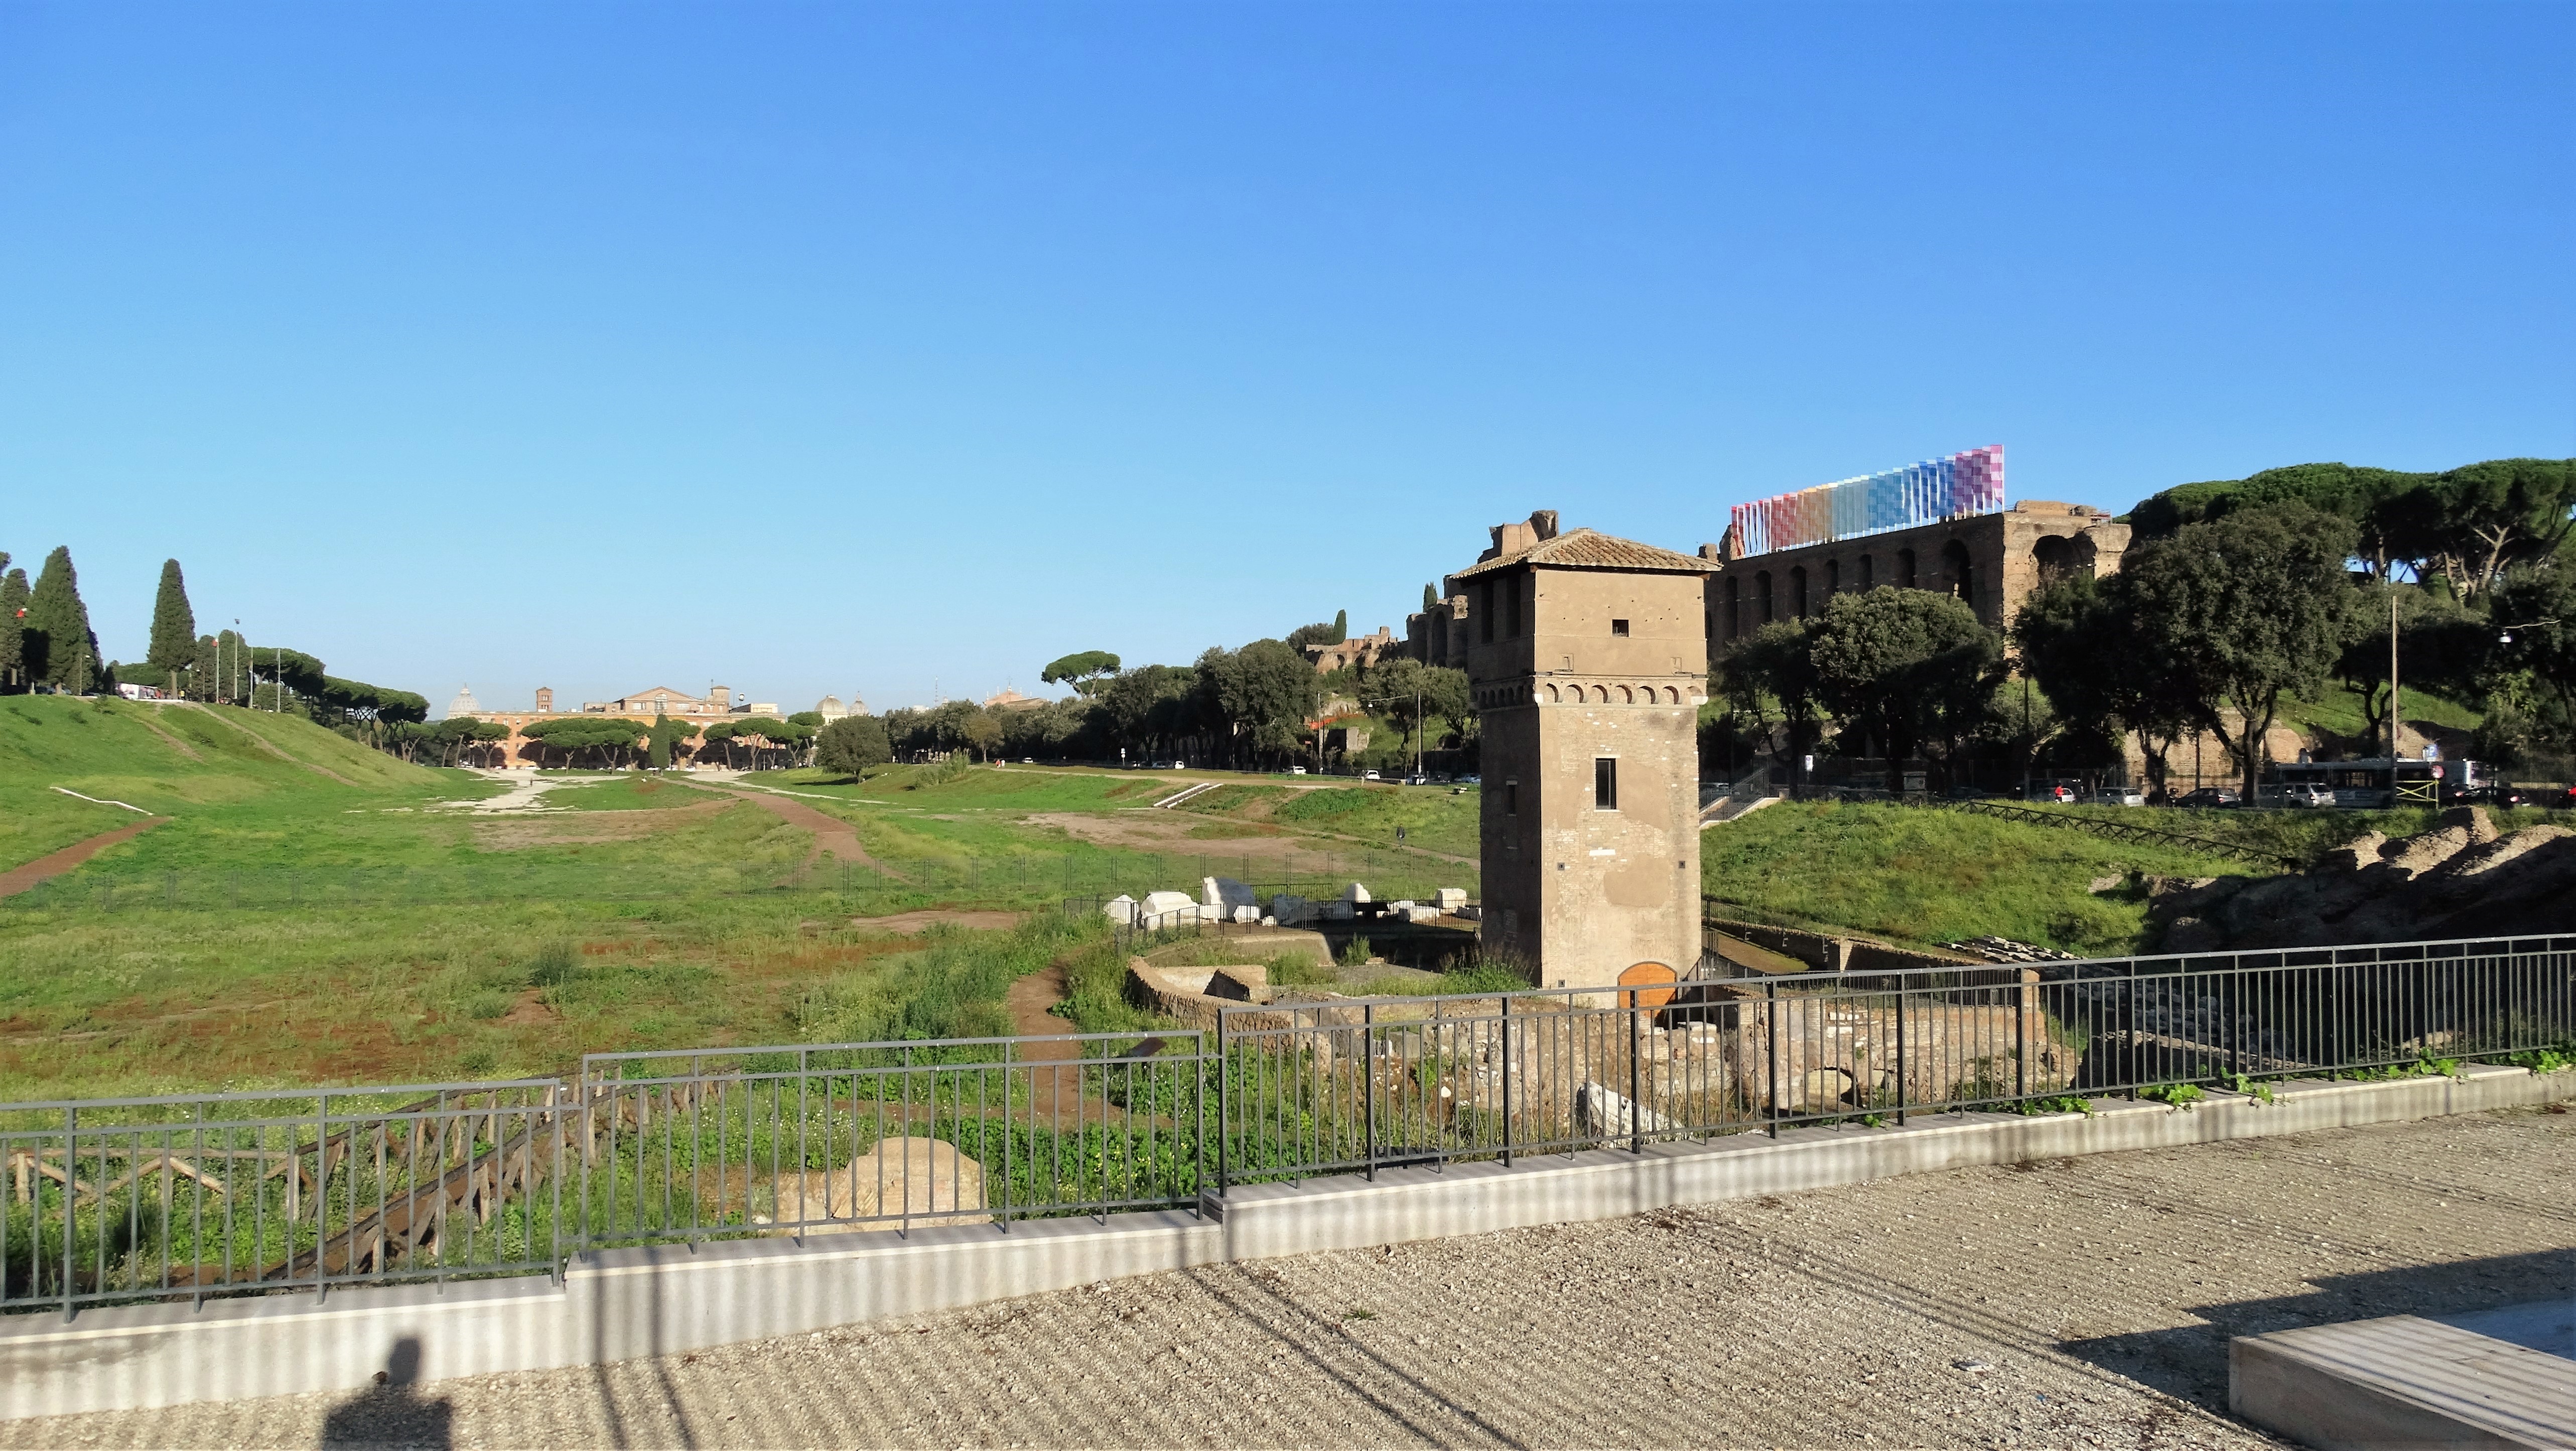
x,y
2004,949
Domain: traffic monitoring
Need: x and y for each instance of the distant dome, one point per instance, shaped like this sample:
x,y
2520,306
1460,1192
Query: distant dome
x,y
829,708
464,703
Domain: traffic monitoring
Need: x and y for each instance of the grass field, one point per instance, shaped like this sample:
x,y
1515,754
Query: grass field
x,y
314,912
1920,876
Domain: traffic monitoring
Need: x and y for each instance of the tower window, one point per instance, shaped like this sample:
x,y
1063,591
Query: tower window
x,y
1511,798
1605,783
1618,627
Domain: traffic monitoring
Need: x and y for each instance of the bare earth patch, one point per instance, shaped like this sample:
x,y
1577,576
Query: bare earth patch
x,y
913,922
522,832
1169,831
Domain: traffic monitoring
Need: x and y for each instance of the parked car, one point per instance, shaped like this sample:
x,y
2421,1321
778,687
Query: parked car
x,y
2209,797
2055,791
1296,770
1417,781
2120,796
1472,779
2306,793
1371,776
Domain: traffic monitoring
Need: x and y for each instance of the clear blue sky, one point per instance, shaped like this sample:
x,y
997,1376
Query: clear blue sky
x,y
834,347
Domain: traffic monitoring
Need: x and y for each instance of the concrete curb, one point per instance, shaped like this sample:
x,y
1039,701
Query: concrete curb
x,y
627,1303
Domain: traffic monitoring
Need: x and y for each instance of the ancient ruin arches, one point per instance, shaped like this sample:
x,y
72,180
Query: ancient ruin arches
x,y
1958,577
1627,696
1833,578
1798,590
1762,591
1734,607
1868,574
2055,556
1553,697
1672,695
1905,576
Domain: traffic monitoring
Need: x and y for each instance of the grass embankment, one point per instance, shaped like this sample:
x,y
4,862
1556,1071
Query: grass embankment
x,y
2300,836
176,761
1912,875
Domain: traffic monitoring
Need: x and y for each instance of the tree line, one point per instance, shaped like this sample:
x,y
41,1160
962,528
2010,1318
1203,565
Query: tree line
x,y
1249,707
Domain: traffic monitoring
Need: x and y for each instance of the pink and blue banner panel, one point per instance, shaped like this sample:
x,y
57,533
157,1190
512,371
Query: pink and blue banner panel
x,y
1924,493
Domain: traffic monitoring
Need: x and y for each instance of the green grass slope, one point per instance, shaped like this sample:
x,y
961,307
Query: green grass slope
x,y
1925,876
178,761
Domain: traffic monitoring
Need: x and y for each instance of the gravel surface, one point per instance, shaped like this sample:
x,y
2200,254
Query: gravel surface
x,y
2082,1302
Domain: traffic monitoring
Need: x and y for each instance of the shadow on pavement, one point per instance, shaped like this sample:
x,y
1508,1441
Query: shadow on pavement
x,y
2190,1361
392,1413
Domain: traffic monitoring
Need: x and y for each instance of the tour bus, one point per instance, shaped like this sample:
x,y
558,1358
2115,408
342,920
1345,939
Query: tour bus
x,y
2375,781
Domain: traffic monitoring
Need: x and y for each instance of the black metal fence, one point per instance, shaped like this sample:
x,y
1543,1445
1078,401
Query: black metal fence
x,y
184,1197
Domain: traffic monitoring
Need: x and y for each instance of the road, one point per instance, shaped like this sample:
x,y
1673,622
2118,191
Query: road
x,y
2069,1303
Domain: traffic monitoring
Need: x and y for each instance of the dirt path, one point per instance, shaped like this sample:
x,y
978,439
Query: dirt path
x,y
1052,1092
54,864
831,833
1055,1094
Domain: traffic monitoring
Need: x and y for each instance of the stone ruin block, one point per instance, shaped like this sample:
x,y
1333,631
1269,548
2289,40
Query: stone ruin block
x,y
1226,893
1355,893
1121,909
1450,899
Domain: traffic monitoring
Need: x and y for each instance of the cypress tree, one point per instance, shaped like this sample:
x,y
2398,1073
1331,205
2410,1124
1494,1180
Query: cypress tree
x,y
61,650
1341,624
13,651
174,626
1430,599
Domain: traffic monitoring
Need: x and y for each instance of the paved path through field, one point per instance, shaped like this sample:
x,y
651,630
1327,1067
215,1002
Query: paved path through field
x,y
54,864
2067,1303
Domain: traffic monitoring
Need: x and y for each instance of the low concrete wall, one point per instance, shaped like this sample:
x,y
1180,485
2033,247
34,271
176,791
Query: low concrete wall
x,y
626,1303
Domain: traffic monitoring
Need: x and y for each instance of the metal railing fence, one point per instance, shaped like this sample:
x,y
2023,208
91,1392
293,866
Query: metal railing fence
x,y
117,1199
1332,1087
185,1197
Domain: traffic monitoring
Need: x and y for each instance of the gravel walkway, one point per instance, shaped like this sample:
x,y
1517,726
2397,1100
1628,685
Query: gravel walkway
x,y
2076,1302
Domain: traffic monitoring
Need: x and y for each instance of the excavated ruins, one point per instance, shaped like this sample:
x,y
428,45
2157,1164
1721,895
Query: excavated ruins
x,y
2462,878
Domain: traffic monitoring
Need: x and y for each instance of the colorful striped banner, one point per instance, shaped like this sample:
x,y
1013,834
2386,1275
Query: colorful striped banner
x,y
1963,483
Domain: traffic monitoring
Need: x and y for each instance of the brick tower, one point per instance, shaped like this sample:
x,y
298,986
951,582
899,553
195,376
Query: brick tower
x,y
1588,659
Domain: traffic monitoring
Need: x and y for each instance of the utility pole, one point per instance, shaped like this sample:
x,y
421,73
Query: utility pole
x,y
2392,687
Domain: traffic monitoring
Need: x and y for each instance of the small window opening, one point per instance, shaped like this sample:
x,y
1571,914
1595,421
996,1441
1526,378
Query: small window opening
x,y
1605,783
1618,627
1511,798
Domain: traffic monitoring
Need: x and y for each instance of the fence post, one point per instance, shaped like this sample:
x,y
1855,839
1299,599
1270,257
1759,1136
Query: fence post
x,y
1368,1080
2021,1032
71,1175
1223,1120
1771,1047
1636,1101
1902,1094
1198,1106
1507,1080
